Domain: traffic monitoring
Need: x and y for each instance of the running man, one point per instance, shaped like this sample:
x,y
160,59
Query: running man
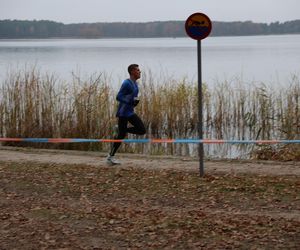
x,y
128,99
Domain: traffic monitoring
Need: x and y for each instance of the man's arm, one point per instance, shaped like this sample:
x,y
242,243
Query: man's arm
x,y
124,94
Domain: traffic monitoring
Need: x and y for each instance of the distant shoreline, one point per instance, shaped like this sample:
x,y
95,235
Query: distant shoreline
x,y
20,29
116,38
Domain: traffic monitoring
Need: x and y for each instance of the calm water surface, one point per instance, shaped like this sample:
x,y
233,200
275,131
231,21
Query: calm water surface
x,y
268,59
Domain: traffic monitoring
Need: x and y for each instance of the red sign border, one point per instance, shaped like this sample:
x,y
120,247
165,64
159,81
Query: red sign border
x,y
194,37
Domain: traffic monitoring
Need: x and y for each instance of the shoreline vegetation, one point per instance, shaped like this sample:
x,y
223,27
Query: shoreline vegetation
x,y
30,29
39,105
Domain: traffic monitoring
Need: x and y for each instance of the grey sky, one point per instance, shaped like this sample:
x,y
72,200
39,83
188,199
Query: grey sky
x,y
75,11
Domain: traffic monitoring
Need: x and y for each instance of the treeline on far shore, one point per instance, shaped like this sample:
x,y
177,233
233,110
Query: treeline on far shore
x,y
19,29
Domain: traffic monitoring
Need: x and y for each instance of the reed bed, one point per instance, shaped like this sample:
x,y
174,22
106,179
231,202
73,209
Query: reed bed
x,y
40,105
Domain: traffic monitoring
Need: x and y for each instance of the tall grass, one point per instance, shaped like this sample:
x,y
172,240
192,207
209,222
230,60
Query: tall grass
x,y
39,105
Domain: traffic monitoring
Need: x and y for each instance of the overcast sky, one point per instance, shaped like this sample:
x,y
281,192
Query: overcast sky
x,y
77,11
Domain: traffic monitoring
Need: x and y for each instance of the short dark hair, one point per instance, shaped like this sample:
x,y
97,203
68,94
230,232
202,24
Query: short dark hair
x,y
131,67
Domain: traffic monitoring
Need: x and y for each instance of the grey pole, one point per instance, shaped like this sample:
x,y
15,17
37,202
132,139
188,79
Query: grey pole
x,y
200,107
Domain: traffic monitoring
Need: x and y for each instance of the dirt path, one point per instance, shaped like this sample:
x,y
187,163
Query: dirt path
x,y
76,201
96,159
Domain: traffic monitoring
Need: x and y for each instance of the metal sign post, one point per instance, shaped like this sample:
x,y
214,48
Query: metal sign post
x,y
200,108
198,26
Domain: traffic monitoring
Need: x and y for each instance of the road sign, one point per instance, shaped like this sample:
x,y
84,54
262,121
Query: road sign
x,y
198,26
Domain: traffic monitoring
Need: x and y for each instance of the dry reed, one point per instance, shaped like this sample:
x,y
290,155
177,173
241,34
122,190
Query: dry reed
x,y
38,105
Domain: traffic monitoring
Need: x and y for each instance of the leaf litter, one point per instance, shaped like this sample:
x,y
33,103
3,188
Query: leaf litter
x,y
46,206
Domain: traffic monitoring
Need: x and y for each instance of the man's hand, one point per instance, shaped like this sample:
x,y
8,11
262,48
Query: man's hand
x,y
136,101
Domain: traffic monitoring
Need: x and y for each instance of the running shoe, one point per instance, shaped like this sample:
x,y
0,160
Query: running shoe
x,y
112,161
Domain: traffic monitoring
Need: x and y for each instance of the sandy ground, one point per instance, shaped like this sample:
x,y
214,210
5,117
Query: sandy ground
x,y
96,159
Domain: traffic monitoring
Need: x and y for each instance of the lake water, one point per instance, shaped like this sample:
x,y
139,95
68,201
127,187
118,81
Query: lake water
x,y
268,59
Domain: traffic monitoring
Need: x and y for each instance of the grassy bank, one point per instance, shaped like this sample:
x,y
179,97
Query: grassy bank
x,y
37,105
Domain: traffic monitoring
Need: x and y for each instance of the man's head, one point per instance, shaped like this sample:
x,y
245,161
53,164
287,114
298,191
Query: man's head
x,y
134,71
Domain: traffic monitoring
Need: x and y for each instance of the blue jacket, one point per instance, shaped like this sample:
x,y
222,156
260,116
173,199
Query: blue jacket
x,y
128,91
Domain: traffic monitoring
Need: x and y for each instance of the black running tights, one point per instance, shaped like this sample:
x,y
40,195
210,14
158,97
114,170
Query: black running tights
x,y
137,128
